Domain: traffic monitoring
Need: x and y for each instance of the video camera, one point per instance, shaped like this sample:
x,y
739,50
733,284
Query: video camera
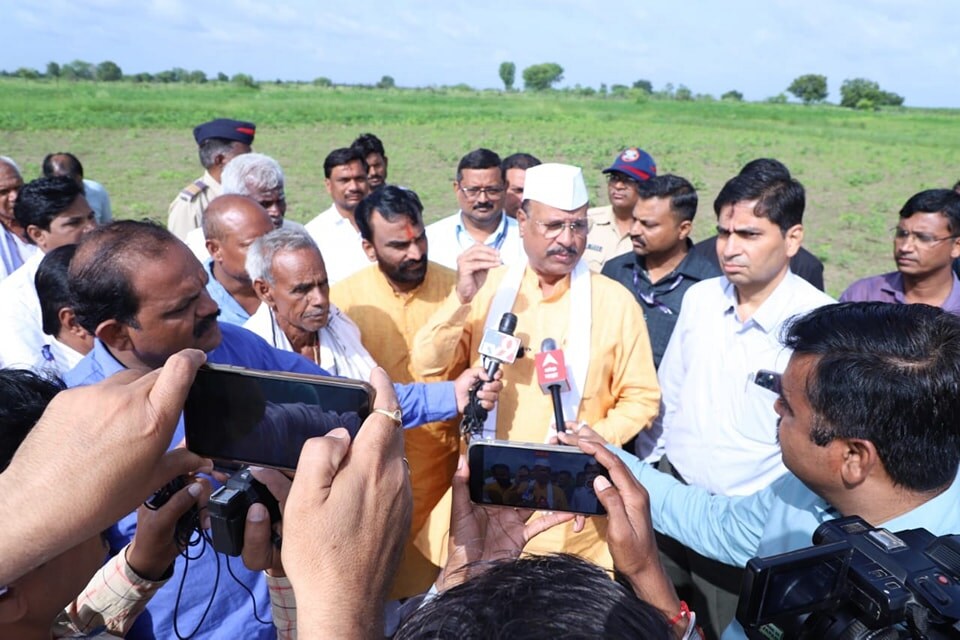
x,y
856,582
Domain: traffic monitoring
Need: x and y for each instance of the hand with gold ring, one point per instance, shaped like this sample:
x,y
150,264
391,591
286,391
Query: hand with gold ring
x,y
345,522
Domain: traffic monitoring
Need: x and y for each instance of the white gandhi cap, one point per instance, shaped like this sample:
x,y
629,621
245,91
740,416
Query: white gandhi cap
x,y
559,186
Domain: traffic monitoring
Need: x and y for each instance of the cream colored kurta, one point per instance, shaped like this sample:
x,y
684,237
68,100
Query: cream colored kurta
x,y
620,396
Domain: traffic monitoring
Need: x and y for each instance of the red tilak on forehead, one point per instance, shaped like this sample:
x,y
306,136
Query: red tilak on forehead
x,y
408,232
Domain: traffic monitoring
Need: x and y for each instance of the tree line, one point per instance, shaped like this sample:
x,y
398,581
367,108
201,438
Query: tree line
x,y
811,88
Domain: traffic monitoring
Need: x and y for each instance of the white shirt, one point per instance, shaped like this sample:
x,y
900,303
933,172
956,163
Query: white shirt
x,y
13,252
21,332
719,427
448,238
339,243
56,358
197,242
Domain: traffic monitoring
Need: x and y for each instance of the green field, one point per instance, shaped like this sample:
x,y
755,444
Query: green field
x,y
858,167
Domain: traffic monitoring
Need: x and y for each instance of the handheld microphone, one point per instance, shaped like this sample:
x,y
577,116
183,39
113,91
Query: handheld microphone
x,y
500,347
497,348
552,376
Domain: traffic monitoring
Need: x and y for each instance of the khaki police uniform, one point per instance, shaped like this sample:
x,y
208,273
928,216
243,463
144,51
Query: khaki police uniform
x,y
604,241
187,208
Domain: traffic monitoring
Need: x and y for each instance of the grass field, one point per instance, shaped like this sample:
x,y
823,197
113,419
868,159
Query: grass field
x,y
858,168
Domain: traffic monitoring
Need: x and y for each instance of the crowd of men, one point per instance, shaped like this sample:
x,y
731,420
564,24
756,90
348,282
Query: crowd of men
x,y
734,405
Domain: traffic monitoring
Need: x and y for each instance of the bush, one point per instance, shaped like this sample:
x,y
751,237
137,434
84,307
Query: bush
x,y
732,96
322,82
853,92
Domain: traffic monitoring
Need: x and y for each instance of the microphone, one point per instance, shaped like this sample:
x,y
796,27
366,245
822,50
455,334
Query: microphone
x,y
552,376
500,347
497,348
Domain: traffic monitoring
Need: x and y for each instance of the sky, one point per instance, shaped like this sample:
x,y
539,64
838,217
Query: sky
x,y
755,47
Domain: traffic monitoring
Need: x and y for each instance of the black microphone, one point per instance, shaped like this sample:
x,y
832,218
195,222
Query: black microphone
x,y
497,348
552,376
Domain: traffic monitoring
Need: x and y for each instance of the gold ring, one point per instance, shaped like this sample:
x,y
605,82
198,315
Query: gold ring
x,y
394,415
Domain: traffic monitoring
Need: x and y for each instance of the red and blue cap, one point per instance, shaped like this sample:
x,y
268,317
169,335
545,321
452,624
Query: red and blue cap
x,y
634,163
235,130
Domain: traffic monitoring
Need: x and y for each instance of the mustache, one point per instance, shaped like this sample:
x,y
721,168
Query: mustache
x,y
205,325
410,265
561,250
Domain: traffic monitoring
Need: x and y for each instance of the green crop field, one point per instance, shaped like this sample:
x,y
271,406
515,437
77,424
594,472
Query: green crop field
x,y
858,167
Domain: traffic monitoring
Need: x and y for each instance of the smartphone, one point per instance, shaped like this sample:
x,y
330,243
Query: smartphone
x,y
239,416
534,476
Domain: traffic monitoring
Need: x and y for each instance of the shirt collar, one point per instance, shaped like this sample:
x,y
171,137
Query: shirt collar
x,y
774,310
494,240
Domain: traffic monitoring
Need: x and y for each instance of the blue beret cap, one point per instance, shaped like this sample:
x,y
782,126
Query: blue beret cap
x,y
227,129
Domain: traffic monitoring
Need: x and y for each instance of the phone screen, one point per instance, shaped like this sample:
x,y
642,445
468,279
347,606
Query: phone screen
x,y
544,477
255,417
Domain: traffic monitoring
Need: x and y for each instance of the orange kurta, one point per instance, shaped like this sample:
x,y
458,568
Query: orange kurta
x,y
388,322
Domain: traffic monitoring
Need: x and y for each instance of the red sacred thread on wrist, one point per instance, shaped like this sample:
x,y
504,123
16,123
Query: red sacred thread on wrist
x,y
684,613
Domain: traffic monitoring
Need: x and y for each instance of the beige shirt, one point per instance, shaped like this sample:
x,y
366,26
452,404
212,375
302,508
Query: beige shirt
x,y
604,241
187,208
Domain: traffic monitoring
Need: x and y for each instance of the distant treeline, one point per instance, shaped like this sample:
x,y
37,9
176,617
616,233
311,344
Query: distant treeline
x,y
856,93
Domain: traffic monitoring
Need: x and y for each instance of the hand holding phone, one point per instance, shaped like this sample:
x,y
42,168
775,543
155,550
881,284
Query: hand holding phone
x,y
480,534
243,416
534,476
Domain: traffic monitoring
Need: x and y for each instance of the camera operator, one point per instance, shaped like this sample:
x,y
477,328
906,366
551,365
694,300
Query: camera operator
x,y
868,410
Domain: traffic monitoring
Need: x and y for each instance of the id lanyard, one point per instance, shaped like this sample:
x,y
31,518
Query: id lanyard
x,y
651,298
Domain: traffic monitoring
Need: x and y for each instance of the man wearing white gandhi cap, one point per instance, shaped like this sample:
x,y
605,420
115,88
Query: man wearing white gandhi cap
x,y
595,320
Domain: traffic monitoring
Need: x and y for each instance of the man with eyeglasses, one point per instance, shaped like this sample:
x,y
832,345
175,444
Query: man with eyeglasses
x,y
554,295
480,227
925,244
610,235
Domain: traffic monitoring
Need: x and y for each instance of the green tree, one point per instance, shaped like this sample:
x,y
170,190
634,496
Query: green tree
x,y
323,82
732,96
386,82
683,93
508,73
810,88
196,77
222,77
27,73
78,70
860,93
644,85
53,71
109,71
244,80
540,77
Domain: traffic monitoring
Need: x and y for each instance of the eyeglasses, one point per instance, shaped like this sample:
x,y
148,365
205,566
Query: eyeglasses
x,y
473,193
923,239
554,228
615,178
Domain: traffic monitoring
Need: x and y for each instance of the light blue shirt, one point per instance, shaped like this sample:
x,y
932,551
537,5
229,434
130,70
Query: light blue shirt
x,y
777,519
98,200
230,309
230,614
448,238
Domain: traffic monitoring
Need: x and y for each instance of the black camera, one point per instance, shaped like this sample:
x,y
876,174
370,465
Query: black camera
x,y
228,510
857,582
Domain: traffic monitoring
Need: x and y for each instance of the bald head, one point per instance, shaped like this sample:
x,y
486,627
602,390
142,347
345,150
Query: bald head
x,y
229,213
